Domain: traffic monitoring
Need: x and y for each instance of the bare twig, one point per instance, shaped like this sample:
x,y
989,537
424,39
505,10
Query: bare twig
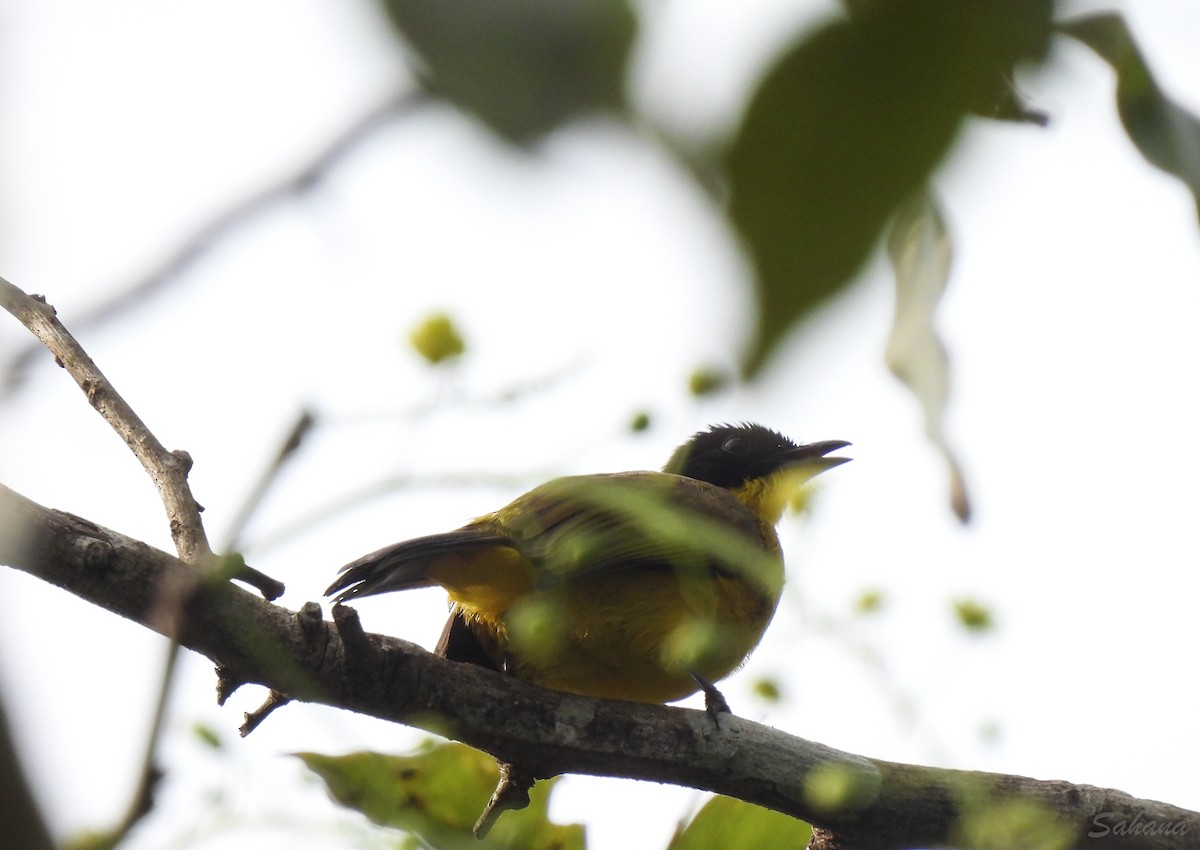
x,y
168,470
274,700
346,502
885,805
151,773
512,793
303,425
221,225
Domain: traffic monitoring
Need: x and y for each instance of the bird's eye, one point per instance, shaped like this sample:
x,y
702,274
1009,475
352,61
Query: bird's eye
x,y
734,445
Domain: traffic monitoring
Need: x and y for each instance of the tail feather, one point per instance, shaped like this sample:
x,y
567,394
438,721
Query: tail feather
x,y
470,643
402,566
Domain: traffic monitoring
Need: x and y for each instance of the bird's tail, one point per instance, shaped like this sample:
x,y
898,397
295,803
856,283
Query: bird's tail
x,y
420,562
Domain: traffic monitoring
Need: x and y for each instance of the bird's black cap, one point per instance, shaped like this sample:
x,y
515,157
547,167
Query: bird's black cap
x,y
730,455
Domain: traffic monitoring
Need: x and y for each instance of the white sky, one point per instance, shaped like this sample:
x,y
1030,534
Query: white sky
x,y
1071,321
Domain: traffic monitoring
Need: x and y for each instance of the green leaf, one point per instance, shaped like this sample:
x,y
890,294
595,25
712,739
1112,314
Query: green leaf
x,y
1167,135
974,616
768,689
724,823
97,840
870,601
1011,106
708,380
1002,824
847,125
438,794
206,735
523,67
919,247
437,339
1006,104
838,788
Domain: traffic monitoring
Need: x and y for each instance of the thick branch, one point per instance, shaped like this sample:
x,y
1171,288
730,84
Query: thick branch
x,y
883,804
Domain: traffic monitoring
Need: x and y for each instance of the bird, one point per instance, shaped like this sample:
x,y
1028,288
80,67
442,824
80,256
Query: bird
x,y
643,586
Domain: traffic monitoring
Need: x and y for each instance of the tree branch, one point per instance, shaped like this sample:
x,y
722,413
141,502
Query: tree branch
x,y
882,805
168,470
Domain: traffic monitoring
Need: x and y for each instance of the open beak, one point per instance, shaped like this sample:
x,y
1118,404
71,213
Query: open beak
x,y
811,459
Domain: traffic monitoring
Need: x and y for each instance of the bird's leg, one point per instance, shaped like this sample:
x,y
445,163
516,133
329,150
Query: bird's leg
x,y
714,700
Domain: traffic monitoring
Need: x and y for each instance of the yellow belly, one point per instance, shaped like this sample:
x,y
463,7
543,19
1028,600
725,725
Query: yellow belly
x,y
632,637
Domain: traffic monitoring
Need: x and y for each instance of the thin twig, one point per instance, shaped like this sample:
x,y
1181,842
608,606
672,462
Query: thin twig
x,y
151,772
224,223
511,794
352,499
168,470
303,425
275,699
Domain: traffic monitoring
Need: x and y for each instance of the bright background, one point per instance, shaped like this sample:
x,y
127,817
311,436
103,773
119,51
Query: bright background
x,y
593,277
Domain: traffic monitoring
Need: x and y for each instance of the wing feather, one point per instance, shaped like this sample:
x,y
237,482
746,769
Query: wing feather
x,y
592,525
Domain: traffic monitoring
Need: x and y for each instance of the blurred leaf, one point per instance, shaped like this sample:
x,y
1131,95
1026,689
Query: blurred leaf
x,y
1167,135
768,689
206,735
919,247
229,566
724,823
848,124
438,794
974,615
437,339
991,732
998,825
1011,106
523,67
1005,104
870,601
640,422
833,787
708,380
96,840
801,501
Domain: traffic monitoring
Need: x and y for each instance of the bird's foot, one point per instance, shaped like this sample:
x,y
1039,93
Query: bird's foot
x,y
714,701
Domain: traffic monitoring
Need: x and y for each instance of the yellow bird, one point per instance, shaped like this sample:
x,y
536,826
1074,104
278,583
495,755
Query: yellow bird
x,y
644,586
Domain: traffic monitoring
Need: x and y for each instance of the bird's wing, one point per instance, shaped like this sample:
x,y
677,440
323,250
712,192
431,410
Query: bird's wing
x,y
592,525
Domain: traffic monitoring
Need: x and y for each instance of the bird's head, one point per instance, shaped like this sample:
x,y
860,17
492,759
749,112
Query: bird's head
x,y
761,467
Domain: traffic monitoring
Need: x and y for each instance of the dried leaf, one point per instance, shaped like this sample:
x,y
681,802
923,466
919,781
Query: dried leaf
x,y
919,247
